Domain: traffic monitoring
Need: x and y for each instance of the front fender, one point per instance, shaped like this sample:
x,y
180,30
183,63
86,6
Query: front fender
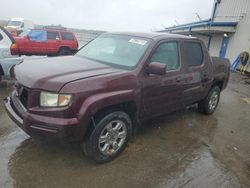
x,y
97,102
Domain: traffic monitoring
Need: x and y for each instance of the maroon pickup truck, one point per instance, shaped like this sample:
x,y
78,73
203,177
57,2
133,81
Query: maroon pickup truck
x,y
102,93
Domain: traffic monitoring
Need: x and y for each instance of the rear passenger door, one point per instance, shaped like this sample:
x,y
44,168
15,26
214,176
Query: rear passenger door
x,y
196,75
35,43
54,42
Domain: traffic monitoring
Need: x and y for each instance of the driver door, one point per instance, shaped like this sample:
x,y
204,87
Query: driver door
x,y
163,93
36,41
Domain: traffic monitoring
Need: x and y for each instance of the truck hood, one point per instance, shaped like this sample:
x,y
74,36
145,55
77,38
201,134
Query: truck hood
x,y
53,73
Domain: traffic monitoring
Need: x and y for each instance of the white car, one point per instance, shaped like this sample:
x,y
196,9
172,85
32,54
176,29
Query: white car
x,y
7,48
19,25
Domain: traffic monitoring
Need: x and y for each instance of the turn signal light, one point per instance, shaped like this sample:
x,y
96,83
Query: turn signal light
x,y
14,49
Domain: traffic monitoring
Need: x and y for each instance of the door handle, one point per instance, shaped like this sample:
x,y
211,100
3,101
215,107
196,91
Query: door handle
x,y
204,78
178,79
205,75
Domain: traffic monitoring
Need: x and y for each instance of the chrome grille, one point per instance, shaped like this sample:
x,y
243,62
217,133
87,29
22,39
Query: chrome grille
x,y
23,94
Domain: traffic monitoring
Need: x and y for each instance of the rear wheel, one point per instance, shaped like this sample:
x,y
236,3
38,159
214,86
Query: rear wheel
x,y
109,137
210,103
64,51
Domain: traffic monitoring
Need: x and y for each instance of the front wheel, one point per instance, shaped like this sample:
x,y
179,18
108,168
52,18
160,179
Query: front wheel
x,y
109,137
210,103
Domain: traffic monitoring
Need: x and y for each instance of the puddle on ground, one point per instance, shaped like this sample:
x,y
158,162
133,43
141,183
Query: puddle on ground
x,y
170,151
201,170
246,100
8,145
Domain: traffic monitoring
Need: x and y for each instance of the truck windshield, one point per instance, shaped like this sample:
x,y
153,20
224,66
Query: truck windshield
x,y
14,23
116,50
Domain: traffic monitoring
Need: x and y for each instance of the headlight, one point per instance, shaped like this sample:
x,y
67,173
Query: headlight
x,y
48,99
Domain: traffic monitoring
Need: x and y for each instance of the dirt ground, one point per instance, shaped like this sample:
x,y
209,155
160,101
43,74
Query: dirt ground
x,y
183,149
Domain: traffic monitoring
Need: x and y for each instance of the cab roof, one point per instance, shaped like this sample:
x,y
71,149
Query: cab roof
x,y
153,35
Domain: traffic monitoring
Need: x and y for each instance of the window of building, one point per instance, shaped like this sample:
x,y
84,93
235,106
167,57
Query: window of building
x,y
67,36
168,54
193,53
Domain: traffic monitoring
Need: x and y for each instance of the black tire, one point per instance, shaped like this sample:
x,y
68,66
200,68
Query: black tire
x,y
204,106
64,51
91,145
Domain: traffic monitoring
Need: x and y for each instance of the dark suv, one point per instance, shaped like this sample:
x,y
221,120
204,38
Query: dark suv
x,y
47,41
102,93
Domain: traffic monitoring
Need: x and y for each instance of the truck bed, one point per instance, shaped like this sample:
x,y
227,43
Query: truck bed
x,y
221,68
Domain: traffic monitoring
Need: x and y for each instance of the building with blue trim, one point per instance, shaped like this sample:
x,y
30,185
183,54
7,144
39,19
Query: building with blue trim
x,y
226,33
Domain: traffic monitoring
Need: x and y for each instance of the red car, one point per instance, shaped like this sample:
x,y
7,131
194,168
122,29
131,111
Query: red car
x,y
47,42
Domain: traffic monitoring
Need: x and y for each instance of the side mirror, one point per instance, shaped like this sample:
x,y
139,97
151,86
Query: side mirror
x,y
157,68
1,36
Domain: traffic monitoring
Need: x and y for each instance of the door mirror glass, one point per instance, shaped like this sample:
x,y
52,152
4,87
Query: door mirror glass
x,y
157,68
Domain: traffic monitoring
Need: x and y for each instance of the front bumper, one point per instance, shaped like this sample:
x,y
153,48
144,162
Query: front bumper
x,y
41,126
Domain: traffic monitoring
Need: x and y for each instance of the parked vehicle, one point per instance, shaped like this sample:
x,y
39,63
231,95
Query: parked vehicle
x,y
47,42
102,93
8,53
17,25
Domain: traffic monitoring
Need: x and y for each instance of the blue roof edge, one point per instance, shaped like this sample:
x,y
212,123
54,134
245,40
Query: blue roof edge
x,y
208,22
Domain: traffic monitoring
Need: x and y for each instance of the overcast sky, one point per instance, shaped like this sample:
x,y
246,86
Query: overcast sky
x,y
109,15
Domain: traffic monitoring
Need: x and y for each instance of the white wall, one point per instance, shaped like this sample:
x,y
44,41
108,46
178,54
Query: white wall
x,y
215,44
202,37
240,41
236,10
231,10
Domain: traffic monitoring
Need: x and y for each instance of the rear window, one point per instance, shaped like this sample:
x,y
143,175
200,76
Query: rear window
x,y
52,35
193,53
67,36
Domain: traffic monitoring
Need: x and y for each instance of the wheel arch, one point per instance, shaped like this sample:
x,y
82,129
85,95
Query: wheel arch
x,y
1,70
219,83
128,107
64,47
91,111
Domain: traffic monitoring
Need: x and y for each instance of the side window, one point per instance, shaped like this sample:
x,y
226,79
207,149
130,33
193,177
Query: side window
x,y
193,53
168,54
52,35
67,36
37,35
